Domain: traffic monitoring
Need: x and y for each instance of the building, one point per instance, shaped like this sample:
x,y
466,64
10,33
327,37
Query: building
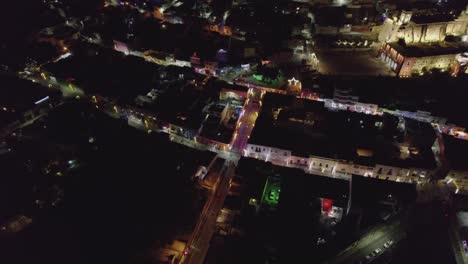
x,y
343,99
456,150
422,57
304,134
423,28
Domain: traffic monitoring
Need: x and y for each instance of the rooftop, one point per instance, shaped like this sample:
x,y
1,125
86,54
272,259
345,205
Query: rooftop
x,y
307,128
432,18
456,151
429,49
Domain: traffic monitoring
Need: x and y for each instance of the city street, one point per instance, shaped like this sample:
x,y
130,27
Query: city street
x,y
373,239
198,245
246,121
68,90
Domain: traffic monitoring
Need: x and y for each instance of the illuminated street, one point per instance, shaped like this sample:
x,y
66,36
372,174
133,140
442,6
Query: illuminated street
x,y
247,120
197,247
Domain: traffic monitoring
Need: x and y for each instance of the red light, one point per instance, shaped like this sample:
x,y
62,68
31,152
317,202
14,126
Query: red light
x,y
327,205
185,252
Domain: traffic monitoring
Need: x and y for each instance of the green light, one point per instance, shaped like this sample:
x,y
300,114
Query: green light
x,y
271,192
258,77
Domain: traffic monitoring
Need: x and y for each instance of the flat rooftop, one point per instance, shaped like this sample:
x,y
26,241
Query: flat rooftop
x,y
307,128
429,49
433,18
456,151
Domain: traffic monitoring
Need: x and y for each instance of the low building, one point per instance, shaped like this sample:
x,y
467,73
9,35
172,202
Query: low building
x,y
417,59
343,99
456,150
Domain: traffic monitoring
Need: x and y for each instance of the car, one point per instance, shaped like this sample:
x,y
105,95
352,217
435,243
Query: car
x,y
371,255
377,251
388,244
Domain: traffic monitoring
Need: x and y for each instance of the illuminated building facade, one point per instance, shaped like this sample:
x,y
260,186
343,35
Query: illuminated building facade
x,y
423,28
336,168
416,59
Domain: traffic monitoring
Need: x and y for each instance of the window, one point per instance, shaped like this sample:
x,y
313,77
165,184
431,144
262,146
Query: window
x,y
379,171
320,165
258,149
285,153
326,165
390,171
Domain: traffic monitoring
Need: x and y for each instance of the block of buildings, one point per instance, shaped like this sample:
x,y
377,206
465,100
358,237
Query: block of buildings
x,y
406,60
304,134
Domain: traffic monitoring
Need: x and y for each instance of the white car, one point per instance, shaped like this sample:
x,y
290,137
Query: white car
x,y
388,244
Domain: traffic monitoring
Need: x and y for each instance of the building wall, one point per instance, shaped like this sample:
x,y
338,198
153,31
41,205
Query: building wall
x,y
440,62
399,174
392,29
389,30
406,66
274,155
335,168
351,106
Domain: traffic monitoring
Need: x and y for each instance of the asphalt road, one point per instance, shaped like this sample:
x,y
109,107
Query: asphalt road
x,y
246,122
373,239
198,245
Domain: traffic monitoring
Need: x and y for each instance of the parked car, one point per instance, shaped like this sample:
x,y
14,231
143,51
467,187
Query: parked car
x,y
388,244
